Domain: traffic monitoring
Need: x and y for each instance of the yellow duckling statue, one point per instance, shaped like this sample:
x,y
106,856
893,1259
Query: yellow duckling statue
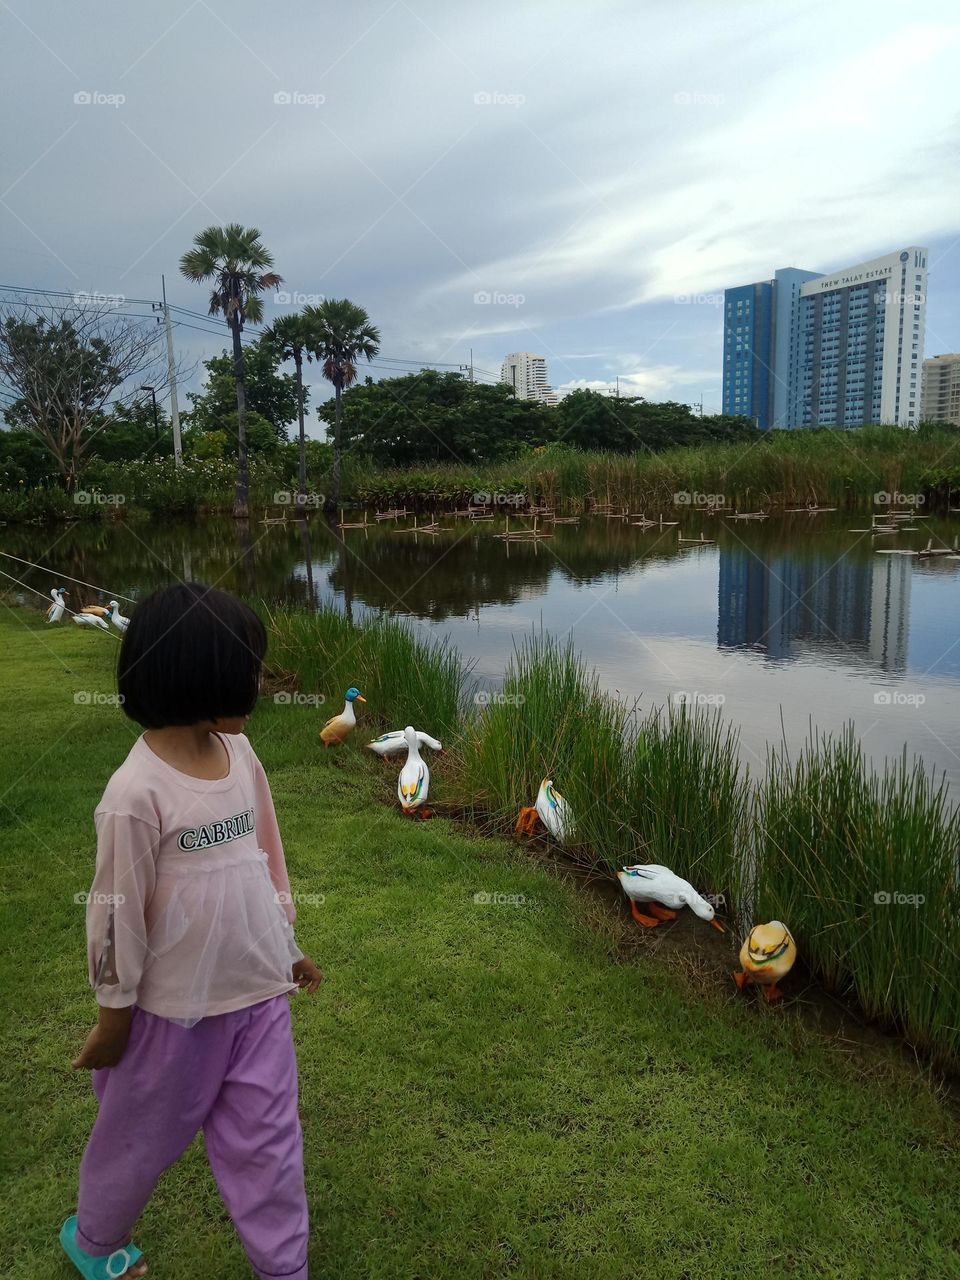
x,y
767,955
338,728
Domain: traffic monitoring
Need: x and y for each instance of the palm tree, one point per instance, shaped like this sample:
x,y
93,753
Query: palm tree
x,y
292,337
238,262
344,334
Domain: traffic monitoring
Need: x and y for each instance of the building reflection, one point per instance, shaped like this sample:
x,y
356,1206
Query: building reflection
x,y
788,605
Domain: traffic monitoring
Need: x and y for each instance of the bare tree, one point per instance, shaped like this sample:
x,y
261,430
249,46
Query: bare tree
x,y
66,362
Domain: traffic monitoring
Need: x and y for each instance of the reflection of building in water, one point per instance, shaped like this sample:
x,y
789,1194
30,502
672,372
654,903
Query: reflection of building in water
x,y
786,605
890,611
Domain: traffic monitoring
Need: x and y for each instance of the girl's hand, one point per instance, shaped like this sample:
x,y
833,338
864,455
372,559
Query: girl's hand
x,y
105,1044
306,975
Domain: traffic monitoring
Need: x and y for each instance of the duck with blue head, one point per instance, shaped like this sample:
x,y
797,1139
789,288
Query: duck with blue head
x,y
338,728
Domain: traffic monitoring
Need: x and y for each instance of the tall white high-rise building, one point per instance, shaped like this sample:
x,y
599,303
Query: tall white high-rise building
x,y
941,389
843,349
527,374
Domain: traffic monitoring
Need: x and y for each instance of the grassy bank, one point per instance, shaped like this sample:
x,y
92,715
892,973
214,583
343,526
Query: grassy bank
x,y
781,469
485,1091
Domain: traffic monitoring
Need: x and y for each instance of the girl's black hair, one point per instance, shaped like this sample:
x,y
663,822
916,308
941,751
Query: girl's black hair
x,y
190,653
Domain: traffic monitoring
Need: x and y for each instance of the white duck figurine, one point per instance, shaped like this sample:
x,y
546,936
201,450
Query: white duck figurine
x,y
390,744
55,612
116,617
338,728
90,620
551,809
664,894
413,785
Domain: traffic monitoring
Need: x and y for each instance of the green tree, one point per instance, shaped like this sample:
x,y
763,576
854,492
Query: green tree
x,y
267,391
293,337
238,263
343,335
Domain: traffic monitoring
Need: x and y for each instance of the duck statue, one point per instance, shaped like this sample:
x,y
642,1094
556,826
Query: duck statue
x,y
551,809
767,955
391,744
662,895
90,620
338,728
55,612
413,785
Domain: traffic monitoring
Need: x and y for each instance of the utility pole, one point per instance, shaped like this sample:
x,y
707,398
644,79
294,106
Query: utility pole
x,y
471,364
618,386
172,377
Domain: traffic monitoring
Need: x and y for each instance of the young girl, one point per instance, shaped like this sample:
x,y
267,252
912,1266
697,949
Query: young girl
x,y
191,949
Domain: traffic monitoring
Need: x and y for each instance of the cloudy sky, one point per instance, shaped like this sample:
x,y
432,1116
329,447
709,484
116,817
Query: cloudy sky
x,y
579,180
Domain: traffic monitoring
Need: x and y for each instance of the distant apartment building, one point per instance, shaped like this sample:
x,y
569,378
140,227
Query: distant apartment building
x,y
527,374
806,349
941,389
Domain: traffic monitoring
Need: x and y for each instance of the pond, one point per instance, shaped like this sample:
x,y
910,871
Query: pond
x,y
798,621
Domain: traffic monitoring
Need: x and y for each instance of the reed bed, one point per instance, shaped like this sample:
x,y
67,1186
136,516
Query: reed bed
x,y
863,867
780,468
405,679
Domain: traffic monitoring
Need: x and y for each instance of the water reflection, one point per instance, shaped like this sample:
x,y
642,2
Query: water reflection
x,y
788,605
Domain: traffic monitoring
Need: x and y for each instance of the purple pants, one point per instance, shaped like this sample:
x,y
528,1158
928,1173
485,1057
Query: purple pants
x,y
235,1077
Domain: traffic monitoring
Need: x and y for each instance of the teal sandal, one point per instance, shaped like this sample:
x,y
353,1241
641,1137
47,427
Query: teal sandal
x,y
89,1265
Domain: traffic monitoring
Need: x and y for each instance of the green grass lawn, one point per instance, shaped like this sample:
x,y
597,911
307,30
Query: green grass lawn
x,y
486,1090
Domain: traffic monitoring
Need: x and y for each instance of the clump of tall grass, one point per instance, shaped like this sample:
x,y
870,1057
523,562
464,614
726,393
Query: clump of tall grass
x,y
668,789
864,869
687,798
405,679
